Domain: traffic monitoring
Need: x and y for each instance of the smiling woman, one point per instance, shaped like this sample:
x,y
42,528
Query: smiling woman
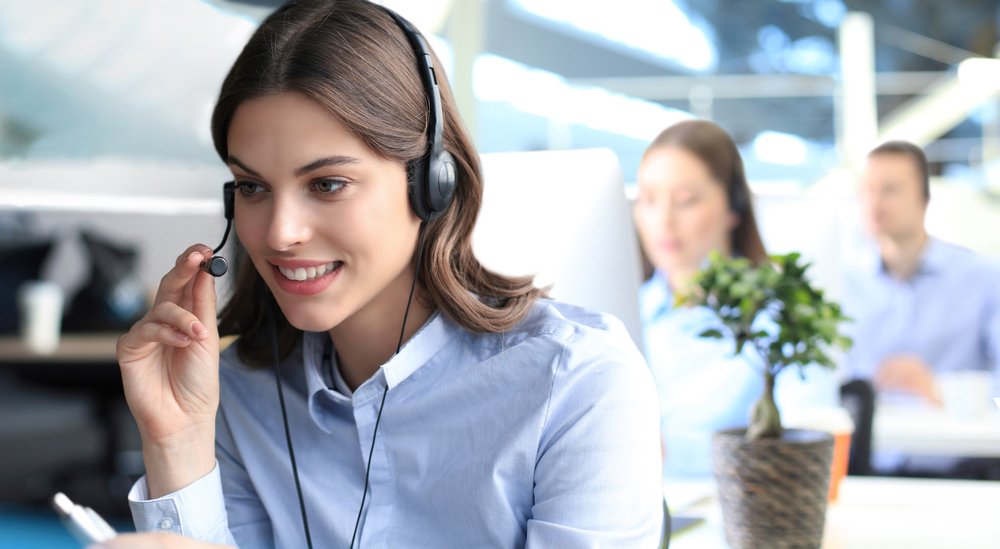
x,y
506,419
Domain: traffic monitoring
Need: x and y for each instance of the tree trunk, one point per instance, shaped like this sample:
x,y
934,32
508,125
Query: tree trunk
x,y
765,422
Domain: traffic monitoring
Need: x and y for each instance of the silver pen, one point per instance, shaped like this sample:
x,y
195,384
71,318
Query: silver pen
x,y
85,525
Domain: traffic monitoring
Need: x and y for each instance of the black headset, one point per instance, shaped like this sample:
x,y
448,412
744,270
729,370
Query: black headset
x,y
431,179
739,202
739,189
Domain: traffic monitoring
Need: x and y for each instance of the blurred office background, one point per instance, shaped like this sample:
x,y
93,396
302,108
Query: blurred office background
x,y
104,127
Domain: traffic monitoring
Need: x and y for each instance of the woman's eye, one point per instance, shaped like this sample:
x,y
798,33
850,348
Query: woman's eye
x,y
687,201
328,186
249,189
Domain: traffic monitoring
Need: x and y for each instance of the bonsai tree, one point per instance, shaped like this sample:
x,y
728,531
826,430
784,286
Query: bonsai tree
x,y
804,324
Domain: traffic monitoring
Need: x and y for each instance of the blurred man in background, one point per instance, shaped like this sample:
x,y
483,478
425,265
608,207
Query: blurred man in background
x,y
921,306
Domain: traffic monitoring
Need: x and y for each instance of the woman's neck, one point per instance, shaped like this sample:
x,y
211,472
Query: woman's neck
x,y
679,278
368,339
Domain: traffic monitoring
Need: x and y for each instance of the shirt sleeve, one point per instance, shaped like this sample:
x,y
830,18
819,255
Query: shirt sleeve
x,y
196,511
598,480
221,507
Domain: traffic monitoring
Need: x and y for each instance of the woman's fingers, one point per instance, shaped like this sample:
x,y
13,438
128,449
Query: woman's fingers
x,y
151,332
173,284
203,303
166,323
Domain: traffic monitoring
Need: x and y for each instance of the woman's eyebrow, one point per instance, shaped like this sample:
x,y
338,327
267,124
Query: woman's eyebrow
x,y
335,160
233,160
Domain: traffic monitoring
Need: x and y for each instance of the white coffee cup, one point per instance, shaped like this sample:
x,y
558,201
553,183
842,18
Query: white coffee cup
x,y
965,393
41,305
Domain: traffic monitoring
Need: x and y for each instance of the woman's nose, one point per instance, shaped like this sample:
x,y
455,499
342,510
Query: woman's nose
x,y
288,224
667,215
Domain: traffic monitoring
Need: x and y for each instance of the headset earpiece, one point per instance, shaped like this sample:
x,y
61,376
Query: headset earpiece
x,y
432,183
433,178
739,200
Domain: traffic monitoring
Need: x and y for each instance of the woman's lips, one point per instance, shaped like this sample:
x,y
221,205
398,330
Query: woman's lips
x,y
306,280
307,273
669,245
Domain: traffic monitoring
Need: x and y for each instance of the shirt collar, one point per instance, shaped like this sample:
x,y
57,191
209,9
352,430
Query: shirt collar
x,y
419,349
313,345
933,259
339,383
416,351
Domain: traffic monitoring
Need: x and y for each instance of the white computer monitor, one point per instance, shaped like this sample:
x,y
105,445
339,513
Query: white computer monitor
x,y
563,217
817,226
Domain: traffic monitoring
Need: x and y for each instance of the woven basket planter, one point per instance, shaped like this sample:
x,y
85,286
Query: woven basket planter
x,y
773,491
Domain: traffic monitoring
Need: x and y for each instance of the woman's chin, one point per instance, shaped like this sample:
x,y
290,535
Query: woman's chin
x,y
309,323
671,263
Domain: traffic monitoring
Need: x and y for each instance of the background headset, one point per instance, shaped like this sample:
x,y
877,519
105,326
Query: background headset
x,y
739,202
431,182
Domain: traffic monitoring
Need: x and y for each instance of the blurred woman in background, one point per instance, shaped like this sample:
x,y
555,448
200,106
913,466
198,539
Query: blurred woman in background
x,y
694,199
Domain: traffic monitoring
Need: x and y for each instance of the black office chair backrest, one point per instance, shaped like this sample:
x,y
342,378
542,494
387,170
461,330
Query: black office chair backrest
x,y
665,539
858,397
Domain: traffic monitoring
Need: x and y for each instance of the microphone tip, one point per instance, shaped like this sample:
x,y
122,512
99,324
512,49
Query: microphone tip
x,y
215,266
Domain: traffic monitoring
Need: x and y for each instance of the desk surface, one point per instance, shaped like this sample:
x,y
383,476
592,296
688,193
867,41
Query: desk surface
x,y
927,430
82,348
871,513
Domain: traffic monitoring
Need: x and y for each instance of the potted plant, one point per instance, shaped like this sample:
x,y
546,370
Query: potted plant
x,y
773,483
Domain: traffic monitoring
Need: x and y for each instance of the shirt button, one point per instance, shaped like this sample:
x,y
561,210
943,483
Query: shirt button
x,y
166,524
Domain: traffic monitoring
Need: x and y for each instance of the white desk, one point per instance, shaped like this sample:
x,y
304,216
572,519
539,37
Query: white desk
x,y
874,513
927,430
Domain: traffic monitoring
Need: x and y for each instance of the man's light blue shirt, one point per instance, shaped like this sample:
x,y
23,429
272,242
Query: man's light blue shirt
x,y
947,312
703,387
543,436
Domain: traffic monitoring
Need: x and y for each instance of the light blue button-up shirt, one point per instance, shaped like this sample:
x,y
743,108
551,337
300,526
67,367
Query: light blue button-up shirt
x,y
947,313
703,387
543,436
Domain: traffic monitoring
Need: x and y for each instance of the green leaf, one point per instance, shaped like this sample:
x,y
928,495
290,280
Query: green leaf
x,y
711,333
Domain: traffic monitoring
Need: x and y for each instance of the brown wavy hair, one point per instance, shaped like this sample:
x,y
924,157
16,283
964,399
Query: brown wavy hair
x,y
352,58
713,146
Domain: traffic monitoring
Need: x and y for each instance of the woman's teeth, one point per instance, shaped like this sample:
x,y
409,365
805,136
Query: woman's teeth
x,y
308,273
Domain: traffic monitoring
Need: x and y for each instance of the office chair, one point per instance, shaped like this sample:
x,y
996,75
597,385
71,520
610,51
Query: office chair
x,y
574,228
665,543
858,397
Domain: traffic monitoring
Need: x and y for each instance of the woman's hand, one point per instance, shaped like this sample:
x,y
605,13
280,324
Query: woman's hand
x,y
170,371
155,540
